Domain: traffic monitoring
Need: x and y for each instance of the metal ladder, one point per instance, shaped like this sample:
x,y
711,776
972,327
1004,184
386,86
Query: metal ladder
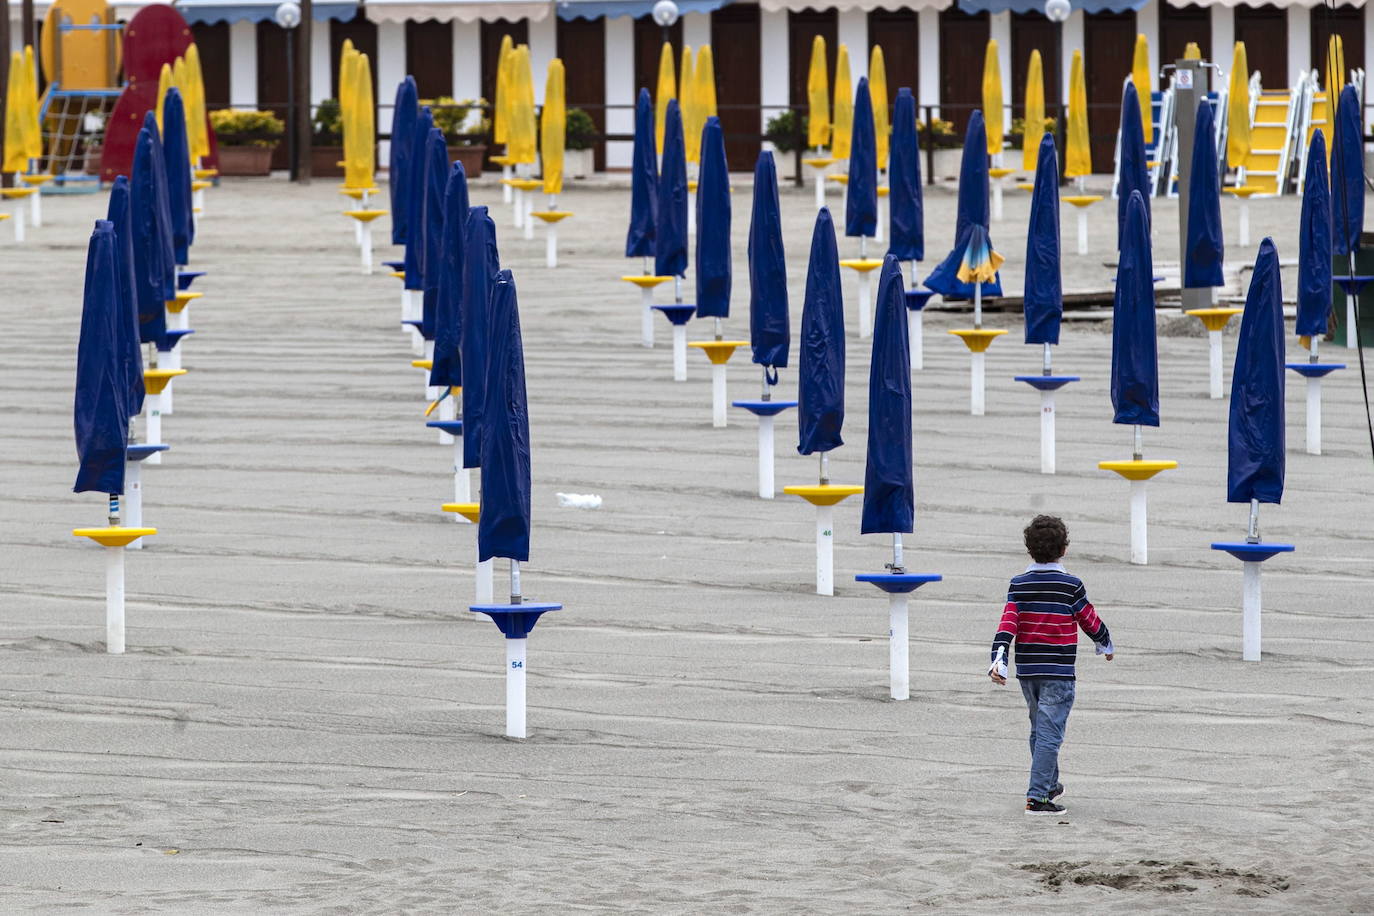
x,y
1273,128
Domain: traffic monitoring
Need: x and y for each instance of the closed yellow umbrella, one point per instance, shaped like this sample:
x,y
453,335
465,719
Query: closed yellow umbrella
x,y
1335,82
164,82
1034,125
705,73
687,90
843,128
347,102
817,97
359,123
1078,157
522,130
877,93
1140,75
195,106
1191,51
667,89
33,132
16,114
181,80
500,118
1238,110
553,128
992,98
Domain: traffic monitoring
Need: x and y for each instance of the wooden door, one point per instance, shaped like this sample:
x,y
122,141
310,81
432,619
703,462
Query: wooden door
x,y
735,35
1033,32
1108,50
1345,21
429,57
274,92
648,47
898,34
1264,29
802,28
363,33
212,43
582,48
963,44
492,33
1179,25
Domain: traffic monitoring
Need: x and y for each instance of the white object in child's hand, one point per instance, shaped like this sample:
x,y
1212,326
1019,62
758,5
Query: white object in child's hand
x,y
1106,649
999,664
579,500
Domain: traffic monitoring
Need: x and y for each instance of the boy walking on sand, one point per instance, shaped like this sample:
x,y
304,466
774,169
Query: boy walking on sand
x,y
1045,608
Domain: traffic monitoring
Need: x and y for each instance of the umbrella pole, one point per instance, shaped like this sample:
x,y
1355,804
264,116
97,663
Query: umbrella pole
x,y
865,294
820,182
977,401
882,218
1351,338
528,220
1047,443
646,322
1082,230
485,588
766,486
133,498
915,328
462,483
506,192
1214,364
152,424
1314,406
114,587
366,247
448,411
899,654
1244,222
1139,540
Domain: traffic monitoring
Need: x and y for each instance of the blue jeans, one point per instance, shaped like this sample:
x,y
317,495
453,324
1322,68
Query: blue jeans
x,y
1048,700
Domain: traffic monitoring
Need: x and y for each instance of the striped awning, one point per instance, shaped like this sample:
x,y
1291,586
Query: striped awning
x,y
776,6
593,9
456,10
1038,6
1306,4
209,11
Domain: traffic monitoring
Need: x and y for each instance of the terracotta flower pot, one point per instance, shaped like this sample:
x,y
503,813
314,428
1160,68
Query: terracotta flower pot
x,y
245,160
471,156
326,161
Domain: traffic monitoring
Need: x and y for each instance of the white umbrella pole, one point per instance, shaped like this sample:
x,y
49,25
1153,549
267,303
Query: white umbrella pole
x,y
515,687
915,337
114,600
679,352
529,218
19,227
820,188
646,322
825,550
36,208
882,219
976,392
1214,364
1250,612
1350,334
718,395
365,243
505,188
997,200
1139,542
691,212
1082,231
551,246
899,653
447,411
765,457
1314,416
518,216
152,425
133,499
485,586
865,306
1047,432
462,482
1244,222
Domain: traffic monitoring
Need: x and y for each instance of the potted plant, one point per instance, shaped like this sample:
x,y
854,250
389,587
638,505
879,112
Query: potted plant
x,y
326,147
579,146
465,126
784,134
246,140
939,134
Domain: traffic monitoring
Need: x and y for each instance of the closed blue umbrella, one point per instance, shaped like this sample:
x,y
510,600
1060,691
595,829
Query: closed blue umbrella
x,y
406,110
861,198
1205,249
820,377
770,332
1314,244
639,241
481,262
503,527
101,413
1347,174
1044,297
889,484
154,263
1134,174
1135,358
906,207
1255,434
414,182
176,157
972,253
120,216
434,183
447,369
670,233
713,269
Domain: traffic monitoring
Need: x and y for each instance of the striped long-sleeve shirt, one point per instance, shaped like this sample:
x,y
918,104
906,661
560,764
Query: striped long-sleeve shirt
x,y
1046,606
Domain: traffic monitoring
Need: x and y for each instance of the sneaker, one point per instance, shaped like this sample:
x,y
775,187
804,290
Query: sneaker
x,y
1043,806
1057,791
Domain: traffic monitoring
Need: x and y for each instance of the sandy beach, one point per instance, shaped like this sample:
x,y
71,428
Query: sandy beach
x,y
308,718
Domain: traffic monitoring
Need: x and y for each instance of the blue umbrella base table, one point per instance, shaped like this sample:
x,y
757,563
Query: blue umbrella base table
x,y
1047,385
114,539
155,382
1138,472
825,497
446,402
864,267
516,621
1251,556
766,411
135,453
1314,373
186,277
482,570
977,340
916,302
898,587
678,314
646,284
719,353
1214,320
453,430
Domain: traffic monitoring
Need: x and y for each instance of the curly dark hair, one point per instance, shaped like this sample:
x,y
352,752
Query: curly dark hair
x,y
1047,538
